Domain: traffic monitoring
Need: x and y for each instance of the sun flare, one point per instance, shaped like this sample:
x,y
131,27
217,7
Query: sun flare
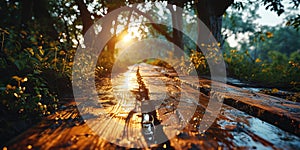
x,y
127,38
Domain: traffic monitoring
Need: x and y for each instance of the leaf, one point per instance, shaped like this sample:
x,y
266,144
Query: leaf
x,y
40,48
30,50
20,64
24,32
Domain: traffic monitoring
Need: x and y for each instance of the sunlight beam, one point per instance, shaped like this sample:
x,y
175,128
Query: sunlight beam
x,y
127,38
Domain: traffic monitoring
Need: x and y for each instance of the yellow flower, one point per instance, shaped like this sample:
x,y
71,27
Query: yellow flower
x,y
233,51
24,79
269,34
229,60
70,64
16,95
30,50
257,60
264,70
8,87
62,52
274,90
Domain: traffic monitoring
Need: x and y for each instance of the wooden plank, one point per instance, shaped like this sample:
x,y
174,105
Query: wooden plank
x,y
231,129
280,112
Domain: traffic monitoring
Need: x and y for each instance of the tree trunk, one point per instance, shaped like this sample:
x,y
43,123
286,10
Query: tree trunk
x,y
177,22
27,6
40,10
107,57
85,16
210,13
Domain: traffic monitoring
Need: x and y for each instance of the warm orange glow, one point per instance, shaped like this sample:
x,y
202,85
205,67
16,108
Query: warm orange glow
x,y
127,38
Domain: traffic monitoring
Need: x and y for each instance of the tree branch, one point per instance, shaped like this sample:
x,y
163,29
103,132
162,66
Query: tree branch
x,y
154,25
85,15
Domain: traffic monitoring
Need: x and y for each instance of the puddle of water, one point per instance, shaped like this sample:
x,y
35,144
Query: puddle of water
x,y
252,89
235,81
242,124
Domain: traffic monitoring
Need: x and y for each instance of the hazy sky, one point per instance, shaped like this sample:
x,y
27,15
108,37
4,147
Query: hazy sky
x,y
269,18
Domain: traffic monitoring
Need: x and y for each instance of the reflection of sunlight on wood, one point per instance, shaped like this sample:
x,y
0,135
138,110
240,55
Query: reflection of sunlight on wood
x,y
130,81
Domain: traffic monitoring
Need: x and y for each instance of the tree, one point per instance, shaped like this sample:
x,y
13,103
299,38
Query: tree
x,y
39,10
210,12
262,39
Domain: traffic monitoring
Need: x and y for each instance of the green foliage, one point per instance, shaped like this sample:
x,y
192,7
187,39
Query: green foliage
x,y
281,39
274,5
29,96
238,21
295,22
277,71
183,65
26,57
267,56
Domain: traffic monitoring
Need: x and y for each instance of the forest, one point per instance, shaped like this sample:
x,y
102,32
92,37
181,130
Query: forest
x,y
54,52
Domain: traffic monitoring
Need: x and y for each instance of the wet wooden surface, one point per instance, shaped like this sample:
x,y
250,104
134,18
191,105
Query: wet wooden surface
x,y
232,129
279,112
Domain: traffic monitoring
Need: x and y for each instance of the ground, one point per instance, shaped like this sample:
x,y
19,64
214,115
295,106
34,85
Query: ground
x,y
182,109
